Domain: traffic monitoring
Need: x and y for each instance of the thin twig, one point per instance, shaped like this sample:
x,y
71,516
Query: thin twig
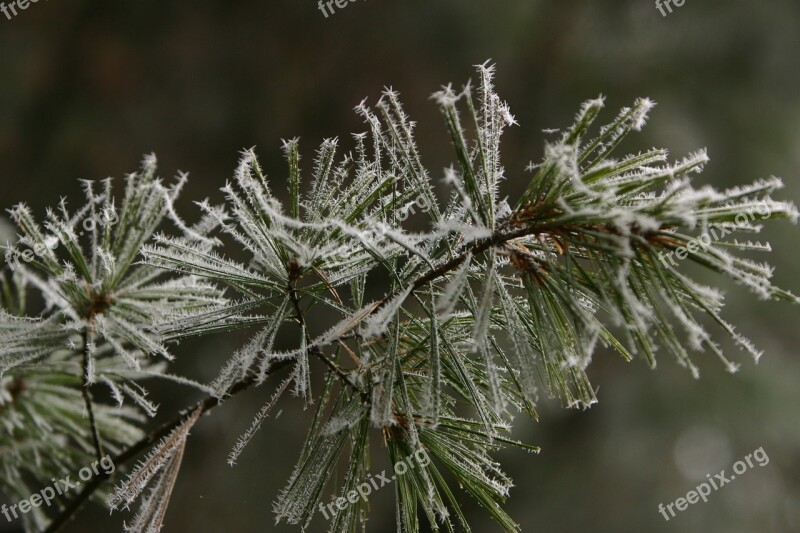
x,y
336,369
87,393
148,440
294,274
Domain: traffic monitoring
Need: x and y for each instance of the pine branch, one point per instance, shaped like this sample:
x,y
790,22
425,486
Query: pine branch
x,y
87,394
486,305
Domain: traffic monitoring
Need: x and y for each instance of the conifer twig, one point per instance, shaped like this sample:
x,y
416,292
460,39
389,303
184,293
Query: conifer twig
x,y
203,406
518,295
87,393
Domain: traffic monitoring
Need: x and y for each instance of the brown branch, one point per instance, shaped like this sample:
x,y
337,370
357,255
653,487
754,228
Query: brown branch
x,y
87,393
210,402
497,239
295,273
336,369
148,440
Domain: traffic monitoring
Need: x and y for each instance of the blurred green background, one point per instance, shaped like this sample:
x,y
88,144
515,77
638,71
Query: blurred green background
x,y
87,87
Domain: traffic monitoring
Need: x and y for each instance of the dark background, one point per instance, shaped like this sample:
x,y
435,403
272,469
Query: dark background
x,y
87,87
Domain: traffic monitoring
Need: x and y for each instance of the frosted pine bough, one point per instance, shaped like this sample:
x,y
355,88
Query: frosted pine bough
x,y
94,334
418,353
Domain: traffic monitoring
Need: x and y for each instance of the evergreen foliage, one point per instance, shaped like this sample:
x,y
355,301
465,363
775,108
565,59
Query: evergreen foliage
x,y
495,301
